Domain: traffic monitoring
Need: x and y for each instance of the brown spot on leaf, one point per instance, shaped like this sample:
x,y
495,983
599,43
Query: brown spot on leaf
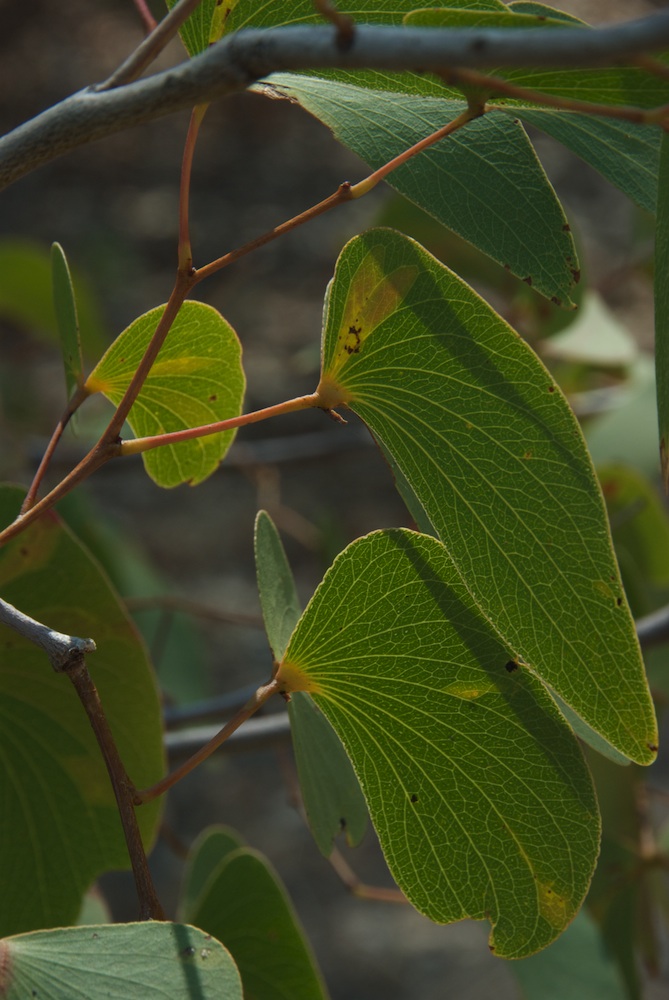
x,y
414,798
510,666
352,343
566,228
528,280
213,398
528,454
619,601
576,275
653,747
551,388
507,267
556,301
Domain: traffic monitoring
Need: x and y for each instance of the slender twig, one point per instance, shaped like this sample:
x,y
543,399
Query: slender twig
x,y
149,904
185,252
255,734
61,649
344,23
31,496
137,445
161,35
499,86
359,888
252,705
242,58
148,20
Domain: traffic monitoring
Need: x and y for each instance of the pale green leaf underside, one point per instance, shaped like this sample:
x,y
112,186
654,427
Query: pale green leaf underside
x,y
490,448
477,788
147,961
484,182
245,905
59,825
662,307
331,792
278,597
197,379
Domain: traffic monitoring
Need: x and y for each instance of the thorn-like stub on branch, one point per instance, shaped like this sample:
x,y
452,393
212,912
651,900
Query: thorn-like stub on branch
x,y
69,655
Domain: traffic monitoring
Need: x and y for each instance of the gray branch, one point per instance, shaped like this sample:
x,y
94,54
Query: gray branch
x,y
64,651
241,59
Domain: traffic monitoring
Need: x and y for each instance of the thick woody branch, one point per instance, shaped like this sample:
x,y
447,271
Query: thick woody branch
x,y
64,651
241,59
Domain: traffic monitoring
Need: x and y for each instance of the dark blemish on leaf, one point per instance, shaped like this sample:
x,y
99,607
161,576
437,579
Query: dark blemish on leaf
x,y
619,601
510,666
612,578
566,228
352,345
188,952
507,267
551,388
556,301
576,275
651,746
342,822
213,398
528,280
528,454
414,798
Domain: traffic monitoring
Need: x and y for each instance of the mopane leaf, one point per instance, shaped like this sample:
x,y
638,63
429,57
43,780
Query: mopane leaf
x,y
59,826
245,905
490,448
276,586
625,154
484,181
477,788
147,961
332,798
26,295
212,845
197,379
65,308
662,307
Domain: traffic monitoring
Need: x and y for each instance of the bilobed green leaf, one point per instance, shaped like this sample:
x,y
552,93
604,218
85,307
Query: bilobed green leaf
x,y
477,788
65,308
245,905
576,965
147,961
197,379
662,307
484,181
276,586
331,792
213,844
490,448
59,825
